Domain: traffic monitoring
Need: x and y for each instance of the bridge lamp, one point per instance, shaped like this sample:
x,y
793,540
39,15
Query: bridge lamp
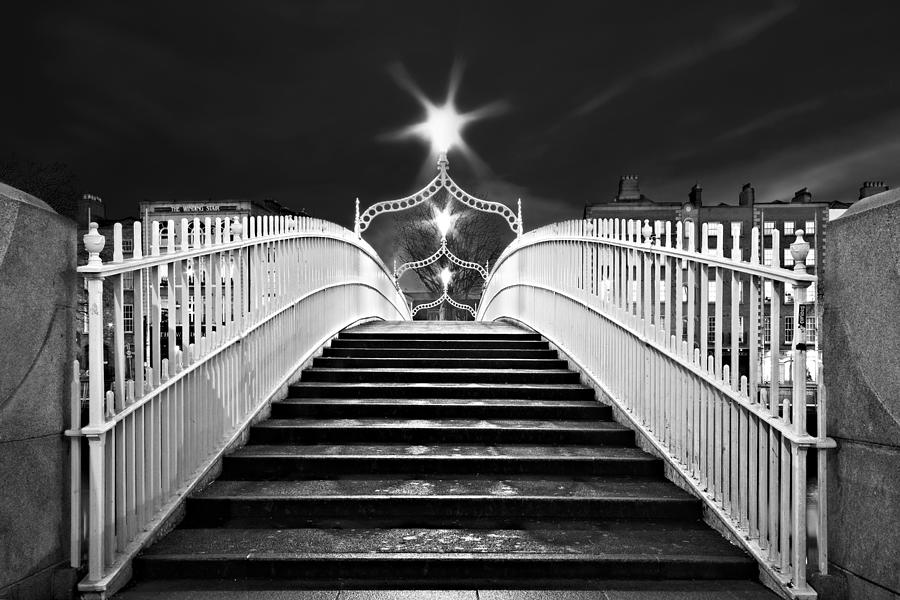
x,y
446,276
443,126
443,220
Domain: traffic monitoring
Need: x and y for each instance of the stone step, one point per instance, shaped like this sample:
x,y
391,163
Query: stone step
x,y
437,335
439,408
438,363
473,502
283,462
325,389
437,375
499,353
444,431
439,343
410,589
616,549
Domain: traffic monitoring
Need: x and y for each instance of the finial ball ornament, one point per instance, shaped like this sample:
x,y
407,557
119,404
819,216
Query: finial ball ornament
x,y
799,252
93,243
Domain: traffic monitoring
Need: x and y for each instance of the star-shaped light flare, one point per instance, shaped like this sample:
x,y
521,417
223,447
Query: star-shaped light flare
x,y
443,124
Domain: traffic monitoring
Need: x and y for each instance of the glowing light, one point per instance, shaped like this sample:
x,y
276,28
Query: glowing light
x,y
446,276
444,220
443,124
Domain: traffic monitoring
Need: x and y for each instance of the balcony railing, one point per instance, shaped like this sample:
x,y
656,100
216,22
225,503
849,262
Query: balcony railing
x,y
255,299
627,302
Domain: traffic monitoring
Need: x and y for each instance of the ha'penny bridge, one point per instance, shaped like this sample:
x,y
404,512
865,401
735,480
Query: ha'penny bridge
x,y
292,427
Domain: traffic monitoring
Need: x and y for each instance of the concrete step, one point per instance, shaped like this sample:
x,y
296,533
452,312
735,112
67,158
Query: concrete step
x,y
438,375
310,589
438,363
444,431
271,462
439,408
324,389
437,343
472,502
438,335
499,353
616,549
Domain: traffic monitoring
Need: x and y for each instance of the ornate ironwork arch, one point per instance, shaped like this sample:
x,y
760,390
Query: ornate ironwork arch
x,y
442,251
455,192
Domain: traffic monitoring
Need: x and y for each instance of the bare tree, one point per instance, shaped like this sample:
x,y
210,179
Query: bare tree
x,y
474,236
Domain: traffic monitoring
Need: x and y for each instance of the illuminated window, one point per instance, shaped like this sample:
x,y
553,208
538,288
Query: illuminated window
x,y
810,227
788,228
811,328
811,258
789,329
767,330
768,227
128,320
711,291
767,257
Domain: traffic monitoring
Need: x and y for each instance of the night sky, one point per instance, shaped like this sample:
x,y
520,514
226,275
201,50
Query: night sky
x,y
296,100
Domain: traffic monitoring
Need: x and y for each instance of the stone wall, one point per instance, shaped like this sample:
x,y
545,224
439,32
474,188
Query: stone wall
x,y
37,304
862,352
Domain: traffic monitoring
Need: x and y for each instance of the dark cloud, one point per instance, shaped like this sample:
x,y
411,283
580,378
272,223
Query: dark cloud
x,y
294,100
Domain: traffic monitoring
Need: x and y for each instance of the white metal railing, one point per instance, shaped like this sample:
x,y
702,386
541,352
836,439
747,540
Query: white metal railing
x,y
631,305
220,324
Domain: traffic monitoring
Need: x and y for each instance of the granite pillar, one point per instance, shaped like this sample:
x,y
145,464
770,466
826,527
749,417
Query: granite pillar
x,y
861,341
37,308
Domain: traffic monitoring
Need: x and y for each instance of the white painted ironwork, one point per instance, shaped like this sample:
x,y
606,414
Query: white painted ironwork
x,y
443,298
454,192
634,306
223,318
443,250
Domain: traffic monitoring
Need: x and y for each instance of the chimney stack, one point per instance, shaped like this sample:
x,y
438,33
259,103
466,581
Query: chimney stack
x,y
870,188
629,189
695,196
803,196
747,196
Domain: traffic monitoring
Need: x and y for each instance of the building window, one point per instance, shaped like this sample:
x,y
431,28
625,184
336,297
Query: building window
x,y
711,291
767,290
811,328
788,258
740,329
711,330
788,329
767,330
128,280
713,230
128,320
811,258
788,228
767,257
810,227
768,227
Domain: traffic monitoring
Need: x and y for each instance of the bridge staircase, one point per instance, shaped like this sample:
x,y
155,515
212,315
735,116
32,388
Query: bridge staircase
x,y
435,455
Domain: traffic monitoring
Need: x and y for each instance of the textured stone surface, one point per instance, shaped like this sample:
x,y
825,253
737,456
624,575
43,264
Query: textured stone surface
x,y
33,523
37,271
864,509
861,342
861,336
37,259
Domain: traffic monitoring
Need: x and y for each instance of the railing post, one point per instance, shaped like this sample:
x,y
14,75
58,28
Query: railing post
x,y
93,243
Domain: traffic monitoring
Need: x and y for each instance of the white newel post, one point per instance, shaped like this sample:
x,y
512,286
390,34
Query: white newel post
x,y
93,243
799,252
